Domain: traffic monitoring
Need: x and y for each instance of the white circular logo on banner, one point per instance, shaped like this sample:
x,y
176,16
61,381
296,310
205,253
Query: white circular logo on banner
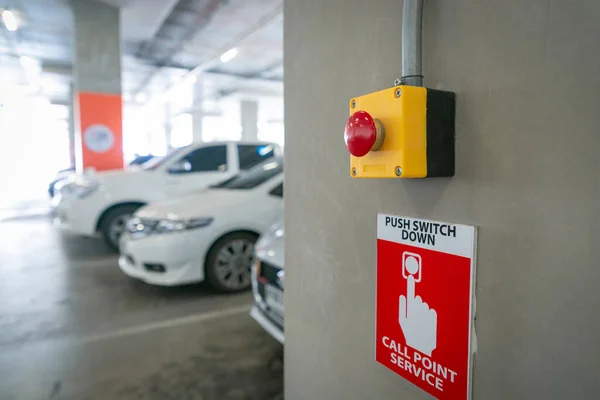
x,y
98,138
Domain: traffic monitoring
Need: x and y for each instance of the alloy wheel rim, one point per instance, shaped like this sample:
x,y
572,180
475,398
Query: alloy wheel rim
x,y
117,227
233,263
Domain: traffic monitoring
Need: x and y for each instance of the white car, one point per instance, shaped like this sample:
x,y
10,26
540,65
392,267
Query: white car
x,y
268,277
104,201
209,235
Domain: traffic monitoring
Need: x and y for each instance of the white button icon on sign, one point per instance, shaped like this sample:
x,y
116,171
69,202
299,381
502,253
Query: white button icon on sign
x,y
417,320
411,265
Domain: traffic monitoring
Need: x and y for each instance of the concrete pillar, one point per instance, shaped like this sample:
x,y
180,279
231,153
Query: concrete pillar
x,y
72,124
198,111
249,119
168,126
97,86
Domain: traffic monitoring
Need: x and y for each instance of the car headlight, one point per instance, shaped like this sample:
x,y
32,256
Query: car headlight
x,y
76,187
84,189
170,225
141,227
137,227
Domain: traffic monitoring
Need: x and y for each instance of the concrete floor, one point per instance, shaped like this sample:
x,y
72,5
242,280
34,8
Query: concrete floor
x,y
72,326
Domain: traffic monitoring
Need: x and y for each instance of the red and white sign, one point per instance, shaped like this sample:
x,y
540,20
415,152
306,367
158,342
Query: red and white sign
x,y
425,284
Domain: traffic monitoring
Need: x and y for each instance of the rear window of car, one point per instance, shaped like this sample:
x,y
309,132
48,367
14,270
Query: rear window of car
x,y
251,155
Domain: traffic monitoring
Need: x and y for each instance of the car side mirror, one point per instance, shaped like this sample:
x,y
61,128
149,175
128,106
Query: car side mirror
x,y
180,167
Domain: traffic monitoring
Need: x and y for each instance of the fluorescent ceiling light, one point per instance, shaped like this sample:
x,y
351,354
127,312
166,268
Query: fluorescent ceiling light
x,y
190,80
141,97
229,55
33,71
10,22
28,63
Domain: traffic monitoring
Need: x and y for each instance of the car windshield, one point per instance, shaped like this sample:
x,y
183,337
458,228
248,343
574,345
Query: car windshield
x,y
254,176
157,162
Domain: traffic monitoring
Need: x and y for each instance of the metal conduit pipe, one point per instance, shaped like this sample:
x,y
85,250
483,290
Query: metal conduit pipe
x,y
412,22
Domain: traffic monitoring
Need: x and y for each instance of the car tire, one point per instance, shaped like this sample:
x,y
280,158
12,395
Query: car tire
x,y
113,225
229,262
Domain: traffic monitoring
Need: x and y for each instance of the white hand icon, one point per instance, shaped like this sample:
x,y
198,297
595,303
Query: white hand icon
x,y
417,320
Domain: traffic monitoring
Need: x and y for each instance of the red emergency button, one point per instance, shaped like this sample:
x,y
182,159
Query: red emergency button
x,y
363,133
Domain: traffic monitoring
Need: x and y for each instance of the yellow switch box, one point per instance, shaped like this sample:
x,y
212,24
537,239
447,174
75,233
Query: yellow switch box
x,y
418,133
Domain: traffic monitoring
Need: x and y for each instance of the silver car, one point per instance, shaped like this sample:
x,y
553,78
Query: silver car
x,y
268,278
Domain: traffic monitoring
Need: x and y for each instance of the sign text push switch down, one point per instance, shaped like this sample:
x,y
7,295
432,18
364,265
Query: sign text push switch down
x,y
401,132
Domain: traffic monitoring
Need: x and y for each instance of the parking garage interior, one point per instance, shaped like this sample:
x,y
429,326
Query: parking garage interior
x,y
146,237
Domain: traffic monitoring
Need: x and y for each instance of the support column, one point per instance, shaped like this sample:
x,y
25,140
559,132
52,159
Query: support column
x,y
97,86
249,119
198,110
168,126
72,124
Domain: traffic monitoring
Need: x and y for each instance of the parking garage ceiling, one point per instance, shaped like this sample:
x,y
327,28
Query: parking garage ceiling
x,y
162,41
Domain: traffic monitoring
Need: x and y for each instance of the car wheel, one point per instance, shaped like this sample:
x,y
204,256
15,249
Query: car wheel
x,y
229,262
113,225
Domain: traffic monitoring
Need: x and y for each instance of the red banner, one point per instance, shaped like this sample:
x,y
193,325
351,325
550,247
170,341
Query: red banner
x,y
100,141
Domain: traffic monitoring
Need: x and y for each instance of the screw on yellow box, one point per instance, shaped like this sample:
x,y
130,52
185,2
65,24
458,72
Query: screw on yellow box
x,y
418,128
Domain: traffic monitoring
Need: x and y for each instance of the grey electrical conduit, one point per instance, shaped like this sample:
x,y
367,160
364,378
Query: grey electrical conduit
x,y
412,22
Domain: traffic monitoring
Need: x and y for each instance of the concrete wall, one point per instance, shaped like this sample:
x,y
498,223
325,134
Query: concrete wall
x,y
527,76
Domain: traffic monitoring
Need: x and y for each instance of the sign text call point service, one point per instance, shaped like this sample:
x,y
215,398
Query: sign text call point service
x,y
425,285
